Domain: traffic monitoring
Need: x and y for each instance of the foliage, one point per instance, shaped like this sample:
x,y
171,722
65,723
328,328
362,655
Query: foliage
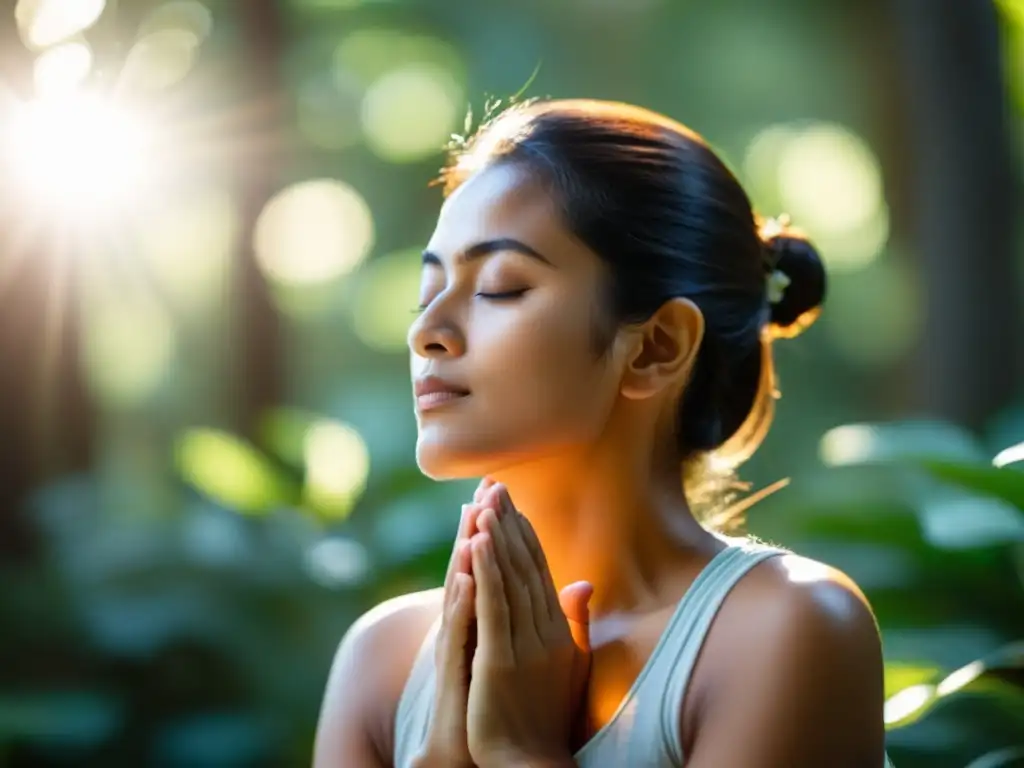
x,y
203,638
934,534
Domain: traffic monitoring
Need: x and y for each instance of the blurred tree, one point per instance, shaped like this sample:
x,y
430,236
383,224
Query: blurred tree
x,y
45,414
259,368
954,102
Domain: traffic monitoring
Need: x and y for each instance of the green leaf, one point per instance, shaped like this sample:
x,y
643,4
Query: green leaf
x,y
232,472
69,719
1005,484
899,676
909,441
1008,456
1000,758
954,520
910,704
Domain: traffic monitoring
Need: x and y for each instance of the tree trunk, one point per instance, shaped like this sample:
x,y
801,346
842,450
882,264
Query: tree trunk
x,y
965,194
259,366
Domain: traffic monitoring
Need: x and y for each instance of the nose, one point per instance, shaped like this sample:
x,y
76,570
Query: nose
x,y
436,335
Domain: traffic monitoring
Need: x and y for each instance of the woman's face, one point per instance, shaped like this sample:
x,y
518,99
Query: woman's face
x,y
503,361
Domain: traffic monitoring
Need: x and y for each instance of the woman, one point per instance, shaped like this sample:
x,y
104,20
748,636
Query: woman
x,y
598,306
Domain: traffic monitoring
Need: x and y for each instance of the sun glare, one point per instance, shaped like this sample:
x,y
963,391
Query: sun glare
x,y
78,153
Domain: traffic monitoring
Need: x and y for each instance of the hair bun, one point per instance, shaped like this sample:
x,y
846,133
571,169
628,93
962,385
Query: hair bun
x,y
795,279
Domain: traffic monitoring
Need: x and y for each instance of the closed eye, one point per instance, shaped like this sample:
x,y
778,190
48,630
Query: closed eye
x,y
503,295
493,296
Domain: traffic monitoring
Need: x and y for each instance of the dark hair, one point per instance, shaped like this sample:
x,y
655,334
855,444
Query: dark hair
x,y
667,216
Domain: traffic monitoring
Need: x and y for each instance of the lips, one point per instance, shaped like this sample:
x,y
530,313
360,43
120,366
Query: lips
x,y
434,392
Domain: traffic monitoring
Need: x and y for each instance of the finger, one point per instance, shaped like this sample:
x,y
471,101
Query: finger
x,y
540,615
574,601
467,527
494,628
540,564
481,489
516,593
453,664
497,496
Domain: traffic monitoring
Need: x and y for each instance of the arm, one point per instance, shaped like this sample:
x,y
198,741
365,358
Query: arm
x,y
808,692
366,680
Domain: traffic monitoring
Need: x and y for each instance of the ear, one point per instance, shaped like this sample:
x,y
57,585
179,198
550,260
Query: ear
x,y
663,350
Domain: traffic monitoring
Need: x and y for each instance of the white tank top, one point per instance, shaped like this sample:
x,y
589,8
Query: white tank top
x,y
644,731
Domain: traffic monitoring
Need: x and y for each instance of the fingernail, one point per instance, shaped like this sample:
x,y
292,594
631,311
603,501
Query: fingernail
x,y
465,508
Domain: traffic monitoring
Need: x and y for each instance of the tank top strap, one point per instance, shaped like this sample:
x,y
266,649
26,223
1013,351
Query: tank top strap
x,y
689,628
415,706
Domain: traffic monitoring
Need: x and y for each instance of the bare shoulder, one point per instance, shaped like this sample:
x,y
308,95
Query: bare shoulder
x,y
804,596
402,613
794,662
378,650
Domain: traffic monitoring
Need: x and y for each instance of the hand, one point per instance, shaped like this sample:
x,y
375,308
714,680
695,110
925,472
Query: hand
x,y
447,742
529,672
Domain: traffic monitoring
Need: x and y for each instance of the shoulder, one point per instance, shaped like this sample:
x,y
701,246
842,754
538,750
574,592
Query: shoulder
x,y
399,614
796,663
795,597
379,648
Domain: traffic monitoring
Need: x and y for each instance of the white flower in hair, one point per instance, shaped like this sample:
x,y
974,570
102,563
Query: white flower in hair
x,y
778,282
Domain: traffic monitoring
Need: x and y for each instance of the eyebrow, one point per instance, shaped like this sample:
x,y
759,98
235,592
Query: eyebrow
x,y
486,248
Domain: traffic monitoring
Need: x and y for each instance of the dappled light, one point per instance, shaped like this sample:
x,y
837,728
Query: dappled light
x,y
313,232
338,562
44,22
410,112
160,59
337,465
230,472
825,177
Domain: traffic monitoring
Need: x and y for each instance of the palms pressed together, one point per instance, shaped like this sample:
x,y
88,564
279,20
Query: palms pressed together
x,y
510,695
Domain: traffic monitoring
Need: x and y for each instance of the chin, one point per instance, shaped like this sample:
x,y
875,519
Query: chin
x,y
439,462
444,456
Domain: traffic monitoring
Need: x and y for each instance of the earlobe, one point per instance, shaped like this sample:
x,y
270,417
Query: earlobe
x,y
664,349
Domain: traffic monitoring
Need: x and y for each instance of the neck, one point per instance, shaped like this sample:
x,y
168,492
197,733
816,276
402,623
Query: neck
x,y
612,517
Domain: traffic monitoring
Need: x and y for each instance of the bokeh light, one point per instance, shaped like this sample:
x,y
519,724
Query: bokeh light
x,y
159,59
338,562
411,112
130,345
185,15
829,181
415,94
313,232
42,23
337,466
230,471
386,291
62,69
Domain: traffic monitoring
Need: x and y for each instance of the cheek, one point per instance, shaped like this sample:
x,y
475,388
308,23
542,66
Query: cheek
x,y
538,387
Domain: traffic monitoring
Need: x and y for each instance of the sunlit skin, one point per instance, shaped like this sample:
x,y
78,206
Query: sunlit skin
x,y
582,441
583,444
